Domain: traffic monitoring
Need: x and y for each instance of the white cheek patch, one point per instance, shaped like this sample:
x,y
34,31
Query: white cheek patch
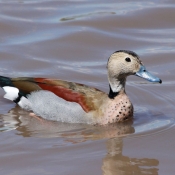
x,y
11,92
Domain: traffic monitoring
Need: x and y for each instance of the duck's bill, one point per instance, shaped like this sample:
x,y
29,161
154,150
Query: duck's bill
x,y
143,73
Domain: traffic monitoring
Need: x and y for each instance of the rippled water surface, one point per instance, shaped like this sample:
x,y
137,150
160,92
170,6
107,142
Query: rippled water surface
x,y
72,40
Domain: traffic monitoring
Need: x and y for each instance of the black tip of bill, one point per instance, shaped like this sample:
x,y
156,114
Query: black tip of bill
x,y
143,73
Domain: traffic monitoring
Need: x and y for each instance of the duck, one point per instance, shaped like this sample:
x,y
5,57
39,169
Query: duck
x,y
59,100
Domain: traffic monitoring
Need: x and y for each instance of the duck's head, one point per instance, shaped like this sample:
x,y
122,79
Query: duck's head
x,y
123,63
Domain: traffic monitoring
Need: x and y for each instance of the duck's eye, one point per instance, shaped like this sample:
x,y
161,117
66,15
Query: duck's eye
x,y
128,59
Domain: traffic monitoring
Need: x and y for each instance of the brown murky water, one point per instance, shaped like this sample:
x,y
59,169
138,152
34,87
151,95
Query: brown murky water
x,y
72,40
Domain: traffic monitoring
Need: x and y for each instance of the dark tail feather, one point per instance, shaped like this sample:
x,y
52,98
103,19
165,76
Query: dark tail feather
x,y
12,93
5,81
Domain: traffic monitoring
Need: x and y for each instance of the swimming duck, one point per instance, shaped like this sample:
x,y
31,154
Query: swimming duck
x,y
65,101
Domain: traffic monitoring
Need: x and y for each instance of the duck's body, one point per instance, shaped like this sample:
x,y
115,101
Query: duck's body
x,y
56,99
66,101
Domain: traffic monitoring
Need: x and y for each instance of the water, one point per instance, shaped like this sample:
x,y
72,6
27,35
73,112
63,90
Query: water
x,y
72,40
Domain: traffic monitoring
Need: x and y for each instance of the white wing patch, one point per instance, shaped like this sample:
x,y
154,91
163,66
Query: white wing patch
x,y
11,92
25,103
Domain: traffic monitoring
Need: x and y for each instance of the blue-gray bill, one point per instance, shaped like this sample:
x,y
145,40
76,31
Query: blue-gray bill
x,y
143,73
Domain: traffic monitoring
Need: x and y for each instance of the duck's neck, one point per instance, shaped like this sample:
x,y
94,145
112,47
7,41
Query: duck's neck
x,y
116,85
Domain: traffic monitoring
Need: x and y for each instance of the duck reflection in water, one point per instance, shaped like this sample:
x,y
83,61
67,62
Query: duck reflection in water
x,y
116,163
113,163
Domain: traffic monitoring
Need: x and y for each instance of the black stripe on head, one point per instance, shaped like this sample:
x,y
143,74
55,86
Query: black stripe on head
x,y
128,52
